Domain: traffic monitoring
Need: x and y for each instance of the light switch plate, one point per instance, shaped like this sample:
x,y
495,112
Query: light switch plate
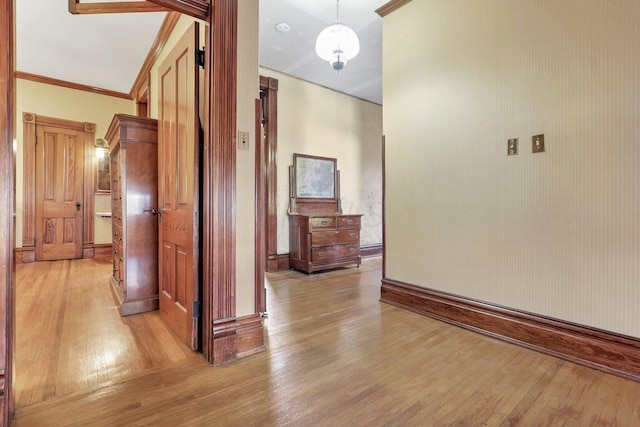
x,y
512,147
537,143
243,140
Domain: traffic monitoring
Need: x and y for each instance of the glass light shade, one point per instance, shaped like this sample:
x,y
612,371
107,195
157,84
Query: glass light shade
x,y
100,152
337,44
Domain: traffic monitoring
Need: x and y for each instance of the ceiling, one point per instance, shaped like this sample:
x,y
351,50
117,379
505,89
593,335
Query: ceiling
x,y
97,50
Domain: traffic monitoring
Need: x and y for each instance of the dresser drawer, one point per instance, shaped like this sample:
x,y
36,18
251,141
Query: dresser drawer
x,y
321,223
334,236
349,222
335,251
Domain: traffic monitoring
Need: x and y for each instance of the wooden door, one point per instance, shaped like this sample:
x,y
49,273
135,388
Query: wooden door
x,y
178,197
59,193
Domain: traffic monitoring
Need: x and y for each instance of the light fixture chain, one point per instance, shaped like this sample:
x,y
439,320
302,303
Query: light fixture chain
x,y
337,10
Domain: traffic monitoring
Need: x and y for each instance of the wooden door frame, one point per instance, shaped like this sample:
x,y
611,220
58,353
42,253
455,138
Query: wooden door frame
x,y
6,213
220,325
269,167
219,285
29,123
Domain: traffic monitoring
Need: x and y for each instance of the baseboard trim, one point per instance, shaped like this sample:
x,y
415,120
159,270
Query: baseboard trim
x,y
603,350
102,249
250,336
24,255
27,254
277,262
368,251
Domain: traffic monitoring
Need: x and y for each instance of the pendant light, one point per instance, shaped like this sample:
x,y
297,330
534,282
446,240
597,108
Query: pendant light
x,y
337,43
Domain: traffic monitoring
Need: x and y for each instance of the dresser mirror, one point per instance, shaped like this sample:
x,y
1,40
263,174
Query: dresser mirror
x,y
315,177
314,184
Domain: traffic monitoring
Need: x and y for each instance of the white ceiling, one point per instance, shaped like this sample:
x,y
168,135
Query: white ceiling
x,y
107,51
294,52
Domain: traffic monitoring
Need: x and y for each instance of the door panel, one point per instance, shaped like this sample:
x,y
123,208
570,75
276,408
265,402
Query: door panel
x,y
59,193
178,187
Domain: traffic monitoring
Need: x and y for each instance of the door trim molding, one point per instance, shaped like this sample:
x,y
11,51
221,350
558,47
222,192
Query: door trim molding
x,y
269,87
7,198
29,123
219,338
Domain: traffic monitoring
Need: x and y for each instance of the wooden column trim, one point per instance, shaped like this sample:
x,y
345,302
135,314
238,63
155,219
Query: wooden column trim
x,y
219,186
603,350
269,86
7,107
384,201
90,166
28,179
260,305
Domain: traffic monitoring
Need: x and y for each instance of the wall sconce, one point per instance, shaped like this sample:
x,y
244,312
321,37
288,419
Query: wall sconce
x,y
102,147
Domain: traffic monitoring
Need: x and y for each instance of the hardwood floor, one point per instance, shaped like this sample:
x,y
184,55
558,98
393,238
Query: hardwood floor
x,y
335,357
69,335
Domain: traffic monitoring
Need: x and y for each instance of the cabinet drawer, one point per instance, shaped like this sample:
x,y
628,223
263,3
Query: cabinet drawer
x,y
322,223
349,222
335,251
334,236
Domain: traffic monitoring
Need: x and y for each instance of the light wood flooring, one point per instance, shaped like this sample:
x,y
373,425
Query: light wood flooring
x,y
335,356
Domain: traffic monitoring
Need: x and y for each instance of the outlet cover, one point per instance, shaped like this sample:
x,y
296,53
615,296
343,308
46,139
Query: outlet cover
x,y
512,147
537,143
243,140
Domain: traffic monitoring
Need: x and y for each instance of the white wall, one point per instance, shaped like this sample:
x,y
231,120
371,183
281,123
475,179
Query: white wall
x,y
321,122
556,233
69,104
248,91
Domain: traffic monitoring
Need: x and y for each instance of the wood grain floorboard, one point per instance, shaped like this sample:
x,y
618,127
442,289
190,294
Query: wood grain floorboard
x,y
336,356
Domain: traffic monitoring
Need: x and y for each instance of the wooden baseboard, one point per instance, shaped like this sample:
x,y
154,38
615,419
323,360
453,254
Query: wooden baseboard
x,y
250,336
27,254
277,262
24,255
102,249
603,350
128,307
368,251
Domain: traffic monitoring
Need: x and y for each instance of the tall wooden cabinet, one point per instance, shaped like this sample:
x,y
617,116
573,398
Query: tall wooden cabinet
x,y
133,146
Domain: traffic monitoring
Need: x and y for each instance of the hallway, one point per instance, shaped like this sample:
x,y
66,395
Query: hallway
x,y
338,357
70,336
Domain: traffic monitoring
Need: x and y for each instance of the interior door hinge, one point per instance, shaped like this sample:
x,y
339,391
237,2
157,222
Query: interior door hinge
x,y
200,57
196,309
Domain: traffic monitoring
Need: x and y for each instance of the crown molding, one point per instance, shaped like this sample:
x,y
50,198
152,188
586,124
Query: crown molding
x,y
165,31
63,83
390,7
77,8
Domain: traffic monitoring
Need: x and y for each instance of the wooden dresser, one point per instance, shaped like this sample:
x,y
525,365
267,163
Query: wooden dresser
x,y
133,144
323,241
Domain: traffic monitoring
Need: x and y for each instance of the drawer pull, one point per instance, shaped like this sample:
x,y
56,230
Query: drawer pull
x,y
352,250
325,222
320,253
320,236
348,221
352,234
